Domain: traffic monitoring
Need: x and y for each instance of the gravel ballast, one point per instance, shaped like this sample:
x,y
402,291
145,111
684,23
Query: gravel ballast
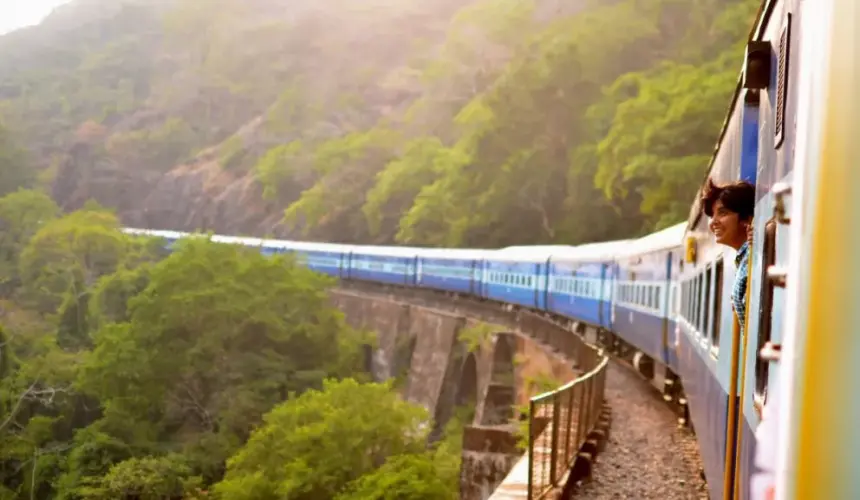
x,y
648,455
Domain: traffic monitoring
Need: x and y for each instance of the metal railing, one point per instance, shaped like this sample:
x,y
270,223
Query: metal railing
x,y
561,420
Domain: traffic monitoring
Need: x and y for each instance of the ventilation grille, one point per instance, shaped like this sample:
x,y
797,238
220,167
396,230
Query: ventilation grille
x,y
782,81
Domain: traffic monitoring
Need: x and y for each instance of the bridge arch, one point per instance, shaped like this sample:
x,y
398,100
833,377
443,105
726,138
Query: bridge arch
x,y
501,390
467,387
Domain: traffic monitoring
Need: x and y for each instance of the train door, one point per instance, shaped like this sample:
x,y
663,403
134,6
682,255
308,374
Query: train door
x,y
770,250
609,278
666,308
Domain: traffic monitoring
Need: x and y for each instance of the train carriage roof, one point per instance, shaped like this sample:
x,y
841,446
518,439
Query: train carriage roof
x,y
591,252
671,237
390,251
308,246
454,253
524,254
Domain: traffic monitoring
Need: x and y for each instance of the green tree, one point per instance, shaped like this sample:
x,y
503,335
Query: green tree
x,y
22,214
146,478
313,446
64,259
218,335
403,477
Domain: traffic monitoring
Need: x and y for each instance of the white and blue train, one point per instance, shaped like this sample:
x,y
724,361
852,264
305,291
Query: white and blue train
x,y
664,300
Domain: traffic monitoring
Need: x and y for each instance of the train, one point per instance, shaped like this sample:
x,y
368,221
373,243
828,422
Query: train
x,y
664,300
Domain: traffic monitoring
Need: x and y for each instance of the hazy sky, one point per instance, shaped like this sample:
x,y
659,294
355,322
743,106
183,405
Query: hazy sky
x,y
19,13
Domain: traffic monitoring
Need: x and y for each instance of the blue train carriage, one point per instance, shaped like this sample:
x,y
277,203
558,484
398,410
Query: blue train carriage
x,y
451,270
392,265
325,258
756,143
580,284
517,275
645,297
770,89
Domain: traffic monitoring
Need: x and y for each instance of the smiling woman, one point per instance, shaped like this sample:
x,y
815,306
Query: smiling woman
x,y
731,208
21,13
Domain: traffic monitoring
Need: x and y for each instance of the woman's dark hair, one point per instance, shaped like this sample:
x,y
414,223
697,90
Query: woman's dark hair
x,y
739,197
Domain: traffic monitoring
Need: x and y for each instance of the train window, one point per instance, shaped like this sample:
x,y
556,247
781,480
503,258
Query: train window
x,y
676,300
686,312
688,309
718,298
697,301
765,318
683,310
703,326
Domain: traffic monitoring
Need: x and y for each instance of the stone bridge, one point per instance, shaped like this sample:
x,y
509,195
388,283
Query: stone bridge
x,y
448,353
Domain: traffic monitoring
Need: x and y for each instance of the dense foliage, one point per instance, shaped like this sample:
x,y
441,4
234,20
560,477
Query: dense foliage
x,y
130,372
486,122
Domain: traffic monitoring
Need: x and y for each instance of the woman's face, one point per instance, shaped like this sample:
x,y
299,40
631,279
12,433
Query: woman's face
x,y
726,226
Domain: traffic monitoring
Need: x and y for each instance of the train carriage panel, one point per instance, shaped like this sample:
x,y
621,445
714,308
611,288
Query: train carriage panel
x,y
642,292
450,270
575,290
580,281
517,276
394,265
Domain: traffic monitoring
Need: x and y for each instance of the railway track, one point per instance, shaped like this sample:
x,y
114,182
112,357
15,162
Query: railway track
x,y
647,455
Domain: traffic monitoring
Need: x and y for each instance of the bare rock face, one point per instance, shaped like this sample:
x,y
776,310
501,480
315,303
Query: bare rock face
x,y
205,197
199,195
87,174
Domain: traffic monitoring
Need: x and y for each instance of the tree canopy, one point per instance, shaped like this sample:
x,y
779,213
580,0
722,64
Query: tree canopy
x,y
130,372
484,123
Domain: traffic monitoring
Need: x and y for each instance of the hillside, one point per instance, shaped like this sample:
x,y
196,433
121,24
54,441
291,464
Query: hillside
x,y
479,123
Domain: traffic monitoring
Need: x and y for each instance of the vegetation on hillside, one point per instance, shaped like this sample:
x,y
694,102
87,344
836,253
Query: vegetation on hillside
x,y
483,123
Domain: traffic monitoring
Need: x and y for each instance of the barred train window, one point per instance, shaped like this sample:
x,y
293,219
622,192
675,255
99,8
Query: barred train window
x,y
765,318
706,303
697,301
718,298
